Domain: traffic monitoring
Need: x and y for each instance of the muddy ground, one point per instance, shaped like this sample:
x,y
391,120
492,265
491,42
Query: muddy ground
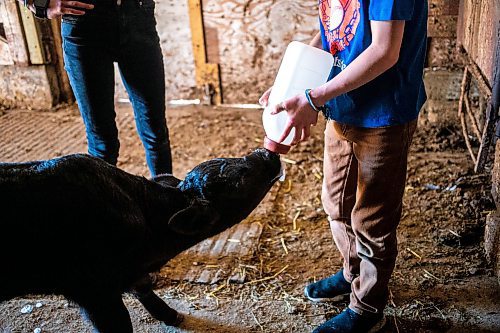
x,y
441,282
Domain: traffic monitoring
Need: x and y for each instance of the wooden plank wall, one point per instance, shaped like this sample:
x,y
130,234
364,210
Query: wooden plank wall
x,y
5,55
478,28
11,20
248,38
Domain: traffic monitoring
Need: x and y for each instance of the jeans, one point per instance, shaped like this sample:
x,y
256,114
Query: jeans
x,y
125,34
363,187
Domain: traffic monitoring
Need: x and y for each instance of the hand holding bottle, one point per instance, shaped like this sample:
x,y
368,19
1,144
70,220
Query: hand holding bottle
x,y
300,116
303,67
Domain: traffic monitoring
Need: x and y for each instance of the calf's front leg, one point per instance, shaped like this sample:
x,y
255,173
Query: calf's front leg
x,y
107,312
143,290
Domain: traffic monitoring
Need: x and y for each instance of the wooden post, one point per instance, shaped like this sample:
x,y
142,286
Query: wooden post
x,y
207,75
32,34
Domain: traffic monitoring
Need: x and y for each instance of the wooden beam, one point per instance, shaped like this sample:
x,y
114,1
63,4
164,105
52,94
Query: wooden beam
x,y
207,75
32,34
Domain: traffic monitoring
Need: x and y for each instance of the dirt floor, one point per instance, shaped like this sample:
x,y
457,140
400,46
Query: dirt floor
x,y
441,282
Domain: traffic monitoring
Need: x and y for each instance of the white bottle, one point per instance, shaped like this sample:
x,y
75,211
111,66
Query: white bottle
x,y
303,66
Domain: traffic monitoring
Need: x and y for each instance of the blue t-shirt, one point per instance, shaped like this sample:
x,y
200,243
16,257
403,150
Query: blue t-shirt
x,y
396,96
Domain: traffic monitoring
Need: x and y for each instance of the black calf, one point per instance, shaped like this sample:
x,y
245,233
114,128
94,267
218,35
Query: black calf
x,y
80,227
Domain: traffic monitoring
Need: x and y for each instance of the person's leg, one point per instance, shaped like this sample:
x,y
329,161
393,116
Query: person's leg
x,y
141,67
340,169
338,196
382,156
89,65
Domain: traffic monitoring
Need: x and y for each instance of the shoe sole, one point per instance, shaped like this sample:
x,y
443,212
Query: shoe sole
x,y
337,298
378,326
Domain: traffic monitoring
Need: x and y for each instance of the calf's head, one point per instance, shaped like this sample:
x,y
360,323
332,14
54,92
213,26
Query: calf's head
x,y
224,191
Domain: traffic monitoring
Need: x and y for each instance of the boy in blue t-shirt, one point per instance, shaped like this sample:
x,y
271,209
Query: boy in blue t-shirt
x,y
372,100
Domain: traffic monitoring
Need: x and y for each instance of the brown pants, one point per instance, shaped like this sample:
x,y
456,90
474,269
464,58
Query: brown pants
x,y
364,181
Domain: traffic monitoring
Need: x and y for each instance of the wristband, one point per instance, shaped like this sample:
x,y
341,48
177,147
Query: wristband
x,y
309,99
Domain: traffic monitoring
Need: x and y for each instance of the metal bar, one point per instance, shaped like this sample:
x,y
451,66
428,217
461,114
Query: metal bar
x,y
473,121
482,84
464,90
487,138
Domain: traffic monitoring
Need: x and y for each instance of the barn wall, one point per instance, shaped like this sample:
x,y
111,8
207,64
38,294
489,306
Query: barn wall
x,y
247,39
5,56
34,87
443,74
442,33
175,37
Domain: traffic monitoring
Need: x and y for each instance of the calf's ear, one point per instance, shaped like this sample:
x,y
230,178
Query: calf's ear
x,y
197,218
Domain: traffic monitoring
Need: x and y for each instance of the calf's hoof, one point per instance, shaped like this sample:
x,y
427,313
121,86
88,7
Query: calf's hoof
x,y
175,321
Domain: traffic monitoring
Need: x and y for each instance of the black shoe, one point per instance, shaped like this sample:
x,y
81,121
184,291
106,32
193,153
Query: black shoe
x,y
351,322
332,289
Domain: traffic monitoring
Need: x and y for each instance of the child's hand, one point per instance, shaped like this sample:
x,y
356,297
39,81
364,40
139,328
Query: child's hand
x,y
301,116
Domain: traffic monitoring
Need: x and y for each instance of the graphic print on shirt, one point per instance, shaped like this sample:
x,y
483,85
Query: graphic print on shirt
x,y
340,19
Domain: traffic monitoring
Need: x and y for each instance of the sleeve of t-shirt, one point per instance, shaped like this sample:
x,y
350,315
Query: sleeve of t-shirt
x,y
389,10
